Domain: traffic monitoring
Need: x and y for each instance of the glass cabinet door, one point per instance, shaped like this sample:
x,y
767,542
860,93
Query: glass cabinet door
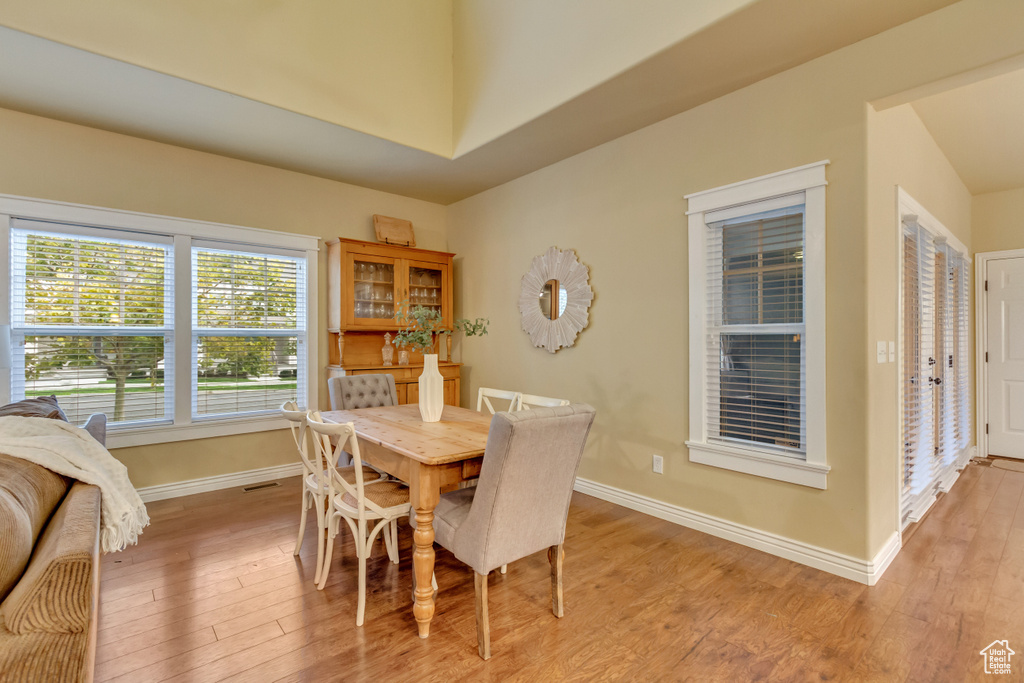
x,y
373,289
426,286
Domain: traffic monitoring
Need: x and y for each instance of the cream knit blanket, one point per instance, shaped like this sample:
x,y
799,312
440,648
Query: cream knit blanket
x,y
69,450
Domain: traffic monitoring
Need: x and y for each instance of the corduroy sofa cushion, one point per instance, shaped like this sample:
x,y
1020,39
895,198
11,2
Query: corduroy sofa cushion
x,y
28,495
54,595
41,406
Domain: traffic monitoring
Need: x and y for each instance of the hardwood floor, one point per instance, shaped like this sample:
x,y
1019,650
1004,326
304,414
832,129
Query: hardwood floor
x,y
212,592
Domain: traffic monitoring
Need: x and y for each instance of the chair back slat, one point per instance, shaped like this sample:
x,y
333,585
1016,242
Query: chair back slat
x,y
530,401
485,394
297,424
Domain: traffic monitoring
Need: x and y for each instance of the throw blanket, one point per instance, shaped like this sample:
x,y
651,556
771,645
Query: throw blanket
x,y
69,450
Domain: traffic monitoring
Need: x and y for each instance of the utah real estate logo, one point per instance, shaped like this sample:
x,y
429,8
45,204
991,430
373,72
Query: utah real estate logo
x,y
997,657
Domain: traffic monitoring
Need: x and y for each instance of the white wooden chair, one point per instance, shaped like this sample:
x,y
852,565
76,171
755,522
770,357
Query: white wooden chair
x,y
527,401
484,396
359,504
315,481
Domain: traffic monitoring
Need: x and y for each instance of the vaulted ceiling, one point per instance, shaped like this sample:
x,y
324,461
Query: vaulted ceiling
x,y
500,126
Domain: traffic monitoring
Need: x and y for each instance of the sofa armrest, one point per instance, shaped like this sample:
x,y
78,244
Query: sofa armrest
x,y
97,426
55,594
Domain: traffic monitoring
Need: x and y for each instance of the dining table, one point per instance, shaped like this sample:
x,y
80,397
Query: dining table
x,y
429,457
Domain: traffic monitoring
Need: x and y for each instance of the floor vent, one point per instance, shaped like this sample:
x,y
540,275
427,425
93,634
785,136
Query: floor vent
x,y
257,487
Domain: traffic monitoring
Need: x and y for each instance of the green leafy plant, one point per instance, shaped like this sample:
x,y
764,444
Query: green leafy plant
x,y
422,325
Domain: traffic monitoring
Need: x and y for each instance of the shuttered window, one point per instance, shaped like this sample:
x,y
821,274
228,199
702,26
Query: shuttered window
x,y
935,374
755,325
92,320
249,330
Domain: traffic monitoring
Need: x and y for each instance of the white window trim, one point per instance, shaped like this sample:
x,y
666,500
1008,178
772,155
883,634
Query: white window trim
x,y
812,471
183,230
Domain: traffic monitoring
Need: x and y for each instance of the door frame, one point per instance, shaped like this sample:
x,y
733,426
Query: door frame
x,y
981,339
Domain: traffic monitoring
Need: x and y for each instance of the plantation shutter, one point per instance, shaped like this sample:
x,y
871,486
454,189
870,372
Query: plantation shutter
x,y
248,330
92,319
935,372
918,349
756,376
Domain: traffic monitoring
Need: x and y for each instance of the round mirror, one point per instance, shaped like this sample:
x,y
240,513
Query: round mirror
x,y
552,300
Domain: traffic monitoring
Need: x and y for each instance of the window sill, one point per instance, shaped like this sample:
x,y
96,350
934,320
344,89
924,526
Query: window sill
x,y
761,464
127,437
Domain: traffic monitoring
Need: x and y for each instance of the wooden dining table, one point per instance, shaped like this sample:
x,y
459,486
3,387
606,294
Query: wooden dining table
x,y
429,456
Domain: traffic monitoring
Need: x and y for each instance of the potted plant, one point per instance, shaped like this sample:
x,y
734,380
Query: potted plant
x,y
421,327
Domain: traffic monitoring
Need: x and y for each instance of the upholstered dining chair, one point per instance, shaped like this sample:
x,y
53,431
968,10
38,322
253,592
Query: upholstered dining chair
x,y
521,502
315,484
528,401
362,391
484,396
367,509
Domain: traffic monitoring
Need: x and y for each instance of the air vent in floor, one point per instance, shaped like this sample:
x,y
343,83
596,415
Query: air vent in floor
x,y
257,487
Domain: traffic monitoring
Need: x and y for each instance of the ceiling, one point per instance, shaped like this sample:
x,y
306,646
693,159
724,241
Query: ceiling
x,y
980,128
46,78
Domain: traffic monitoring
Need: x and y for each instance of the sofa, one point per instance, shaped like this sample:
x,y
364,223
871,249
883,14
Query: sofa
x,y
49,564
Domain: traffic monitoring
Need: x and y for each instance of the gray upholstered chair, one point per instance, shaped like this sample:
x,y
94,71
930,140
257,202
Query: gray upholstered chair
x,y
362,391
521,502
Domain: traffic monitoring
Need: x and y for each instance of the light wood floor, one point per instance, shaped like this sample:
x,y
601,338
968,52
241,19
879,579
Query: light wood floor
x,y
212,592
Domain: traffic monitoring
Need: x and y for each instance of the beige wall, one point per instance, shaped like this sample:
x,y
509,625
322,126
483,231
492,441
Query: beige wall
x,y
900,152
514,61
998,219
382,68
620,206
52,160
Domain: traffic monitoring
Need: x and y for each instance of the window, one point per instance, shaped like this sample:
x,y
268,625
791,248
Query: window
x,y
248,331
757,326
935,380
93,318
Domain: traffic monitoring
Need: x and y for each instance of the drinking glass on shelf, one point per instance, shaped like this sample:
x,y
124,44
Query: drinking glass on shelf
x,y
371,272
382,311
389,296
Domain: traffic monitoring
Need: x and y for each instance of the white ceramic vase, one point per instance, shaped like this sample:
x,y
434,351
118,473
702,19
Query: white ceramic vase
x,y
431,390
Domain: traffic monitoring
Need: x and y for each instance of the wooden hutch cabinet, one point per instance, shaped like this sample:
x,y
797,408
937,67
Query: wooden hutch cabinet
x,y
366,283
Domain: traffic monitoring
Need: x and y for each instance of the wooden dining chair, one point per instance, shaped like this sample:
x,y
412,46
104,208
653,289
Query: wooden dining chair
x,y
520,504
359,504
528,401
315,476
484,396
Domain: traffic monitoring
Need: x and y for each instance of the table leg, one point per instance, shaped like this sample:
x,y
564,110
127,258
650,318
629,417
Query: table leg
x,y
425,493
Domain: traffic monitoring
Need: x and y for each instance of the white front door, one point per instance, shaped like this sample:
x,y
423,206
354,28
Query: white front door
x,y
1006,357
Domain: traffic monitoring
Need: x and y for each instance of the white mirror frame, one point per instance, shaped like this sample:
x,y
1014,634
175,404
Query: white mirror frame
x,y
561,265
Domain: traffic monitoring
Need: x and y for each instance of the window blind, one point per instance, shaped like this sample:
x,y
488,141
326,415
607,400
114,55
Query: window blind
x,y
248,331
756,374
92,320
935,373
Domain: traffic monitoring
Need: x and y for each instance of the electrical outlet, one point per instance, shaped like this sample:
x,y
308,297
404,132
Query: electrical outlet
x,y
659,465
881,352
892,352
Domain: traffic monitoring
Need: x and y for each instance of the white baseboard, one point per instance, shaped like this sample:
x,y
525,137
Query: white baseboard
x,y
221,481
863,571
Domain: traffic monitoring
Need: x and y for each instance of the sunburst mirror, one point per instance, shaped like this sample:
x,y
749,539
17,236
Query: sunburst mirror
x,y
555,298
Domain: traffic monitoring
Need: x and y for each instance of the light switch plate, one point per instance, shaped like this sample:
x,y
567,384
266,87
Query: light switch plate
x,y
892,352
882,353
